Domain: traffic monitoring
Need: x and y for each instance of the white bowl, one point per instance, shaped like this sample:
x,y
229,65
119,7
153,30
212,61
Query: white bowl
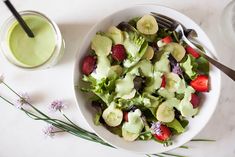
x,y
195,124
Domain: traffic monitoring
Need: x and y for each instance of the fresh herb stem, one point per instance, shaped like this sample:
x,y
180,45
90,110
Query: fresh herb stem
x,y
6,100
158,155
201,140
170,154
59,131
184,147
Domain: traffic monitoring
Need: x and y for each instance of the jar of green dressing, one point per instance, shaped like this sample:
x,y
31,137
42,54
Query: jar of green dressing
x,y
42,51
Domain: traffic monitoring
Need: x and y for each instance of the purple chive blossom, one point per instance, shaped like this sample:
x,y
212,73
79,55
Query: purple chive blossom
x,y
23,100
49,130
56,105
155,128
176,69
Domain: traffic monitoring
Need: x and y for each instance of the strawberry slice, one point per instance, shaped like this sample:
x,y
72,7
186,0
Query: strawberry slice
x,y
118,52
167,39
88,64
163,134
163,81
200,84
125,116
191,51
195,100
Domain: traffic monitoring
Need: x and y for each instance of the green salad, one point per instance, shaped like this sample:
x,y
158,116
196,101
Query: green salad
x,y
145,82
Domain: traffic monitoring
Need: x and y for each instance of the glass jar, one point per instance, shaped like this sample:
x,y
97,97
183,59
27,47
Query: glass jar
x,y
54,55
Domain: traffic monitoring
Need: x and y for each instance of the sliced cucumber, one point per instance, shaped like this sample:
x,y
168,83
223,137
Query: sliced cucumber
x,y
165,113
112,116
149,53
173,82
116,35
128,136
101,45
177,50
147,25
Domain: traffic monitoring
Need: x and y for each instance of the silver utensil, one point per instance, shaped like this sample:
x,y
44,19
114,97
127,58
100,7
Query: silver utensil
x,y
186,34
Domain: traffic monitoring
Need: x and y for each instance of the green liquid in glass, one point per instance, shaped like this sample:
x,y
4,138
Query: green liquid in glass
x,y
32,52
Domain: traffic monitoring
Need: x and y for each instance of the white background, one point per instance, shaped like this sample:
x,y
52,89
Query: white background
x,y
22,137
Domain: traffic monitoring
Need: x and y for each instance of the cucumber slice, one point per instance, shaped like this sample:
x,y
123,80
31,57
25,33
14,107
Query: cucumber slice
x,y
147,25
149,53
116,35
177,50
173,82
165,113
128,136
112,116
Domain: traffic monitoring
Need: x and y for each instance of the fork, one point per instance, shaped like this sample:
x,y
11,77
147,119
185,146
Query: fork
x,y
167,22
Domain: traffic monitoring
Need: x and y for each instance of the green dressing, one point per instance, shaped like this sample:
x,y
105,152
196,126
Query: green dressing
x,y
32,52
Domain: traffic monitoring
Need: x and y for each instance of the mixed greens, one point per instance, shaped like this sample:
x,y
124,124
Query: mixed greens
x,y
145,81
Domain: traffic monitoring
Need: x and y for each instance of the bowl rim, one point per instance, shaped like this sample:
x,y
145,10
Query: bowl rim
x,y
131,7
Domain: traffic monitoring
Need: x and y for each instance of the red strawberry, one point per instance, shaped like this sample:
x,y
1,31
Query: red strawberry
x,y
118,52
195,100
200,84
88,64
193,52
125,116
163,81
164,133
167,39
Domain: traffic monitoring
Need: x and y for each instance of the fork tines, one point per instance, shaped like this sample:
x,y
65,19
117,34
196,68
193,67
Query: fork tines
x,y
164,21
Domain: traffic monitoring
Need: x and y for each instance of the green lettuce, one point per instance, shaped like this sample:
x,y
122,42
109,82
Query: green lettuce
x,y
103,88
203,65
189,67
175,124
135,45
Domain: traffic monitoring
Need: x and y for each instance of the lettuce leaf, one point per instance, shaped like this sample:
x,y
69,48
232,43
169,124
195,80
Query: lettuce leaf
x,y
135,46
203,65
103,88
175,124
189,67
96,118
